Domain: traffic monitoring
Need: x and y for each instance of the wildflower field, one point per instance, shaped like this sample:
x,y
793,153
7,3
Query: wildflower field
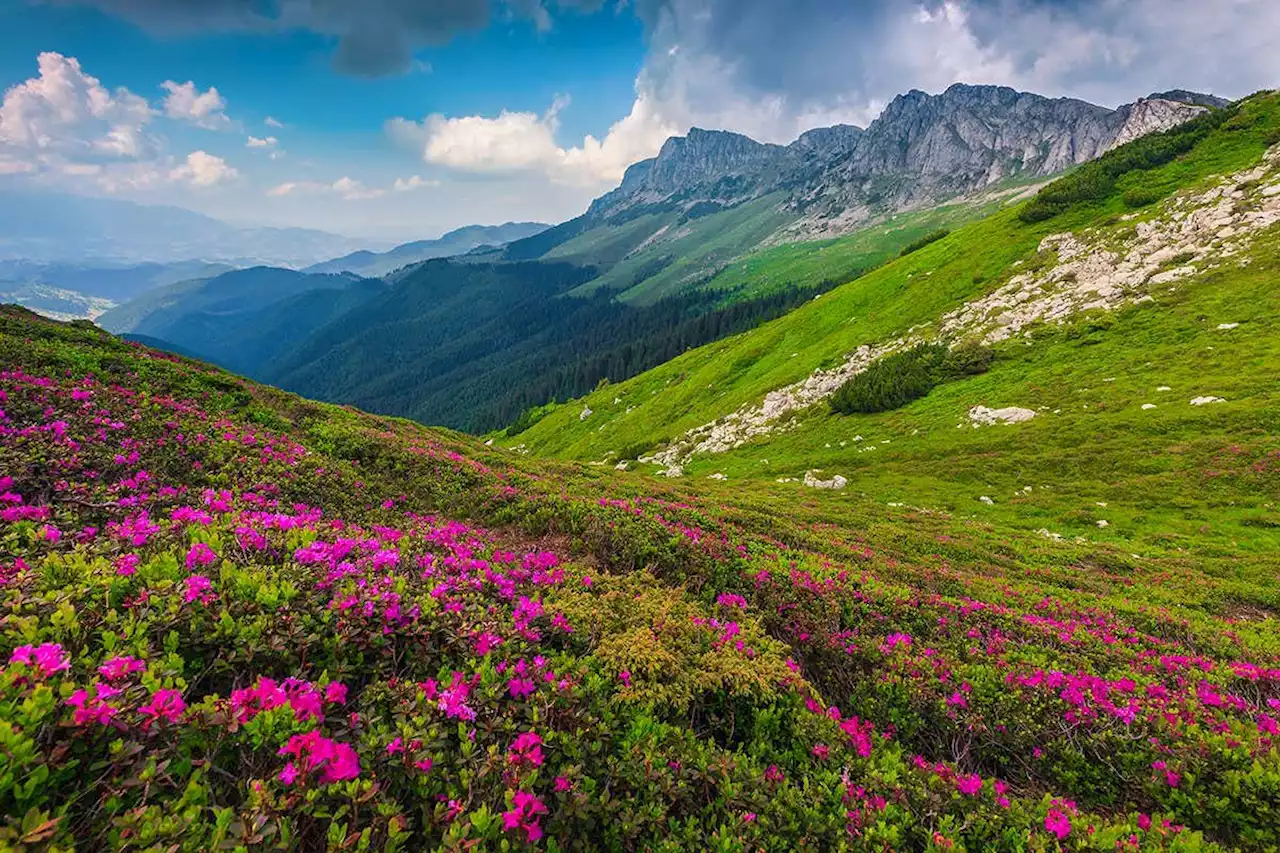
x,y
233,619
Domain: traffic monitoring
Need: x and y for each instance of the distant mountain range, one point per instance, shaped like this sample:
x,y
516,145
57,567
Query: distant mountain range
x,y
693,245
52,227
456,242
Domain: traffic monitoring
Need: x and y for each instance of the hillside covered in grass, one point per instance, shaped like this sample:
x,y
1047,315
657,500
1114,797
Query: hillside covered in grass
x,y
231,618
1149,287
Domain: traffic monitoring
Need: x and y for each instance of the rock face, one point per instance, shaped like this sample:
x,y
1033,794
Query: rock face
x,y
922,150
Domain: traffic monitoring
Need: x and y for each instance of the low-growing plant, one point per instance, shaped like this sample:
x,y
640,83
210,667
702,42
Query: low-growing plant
x,y
891,382
921,242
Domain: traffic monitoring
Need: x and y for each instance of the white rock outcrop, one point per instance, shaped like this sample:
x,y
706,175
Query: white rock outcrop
x,y
812,480
982,416
586,413
1204,401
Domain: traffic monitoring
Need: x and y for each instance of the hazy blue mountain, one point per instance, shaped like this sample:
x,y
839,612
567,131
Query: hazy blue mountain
x,y
51,227
76,291
456,242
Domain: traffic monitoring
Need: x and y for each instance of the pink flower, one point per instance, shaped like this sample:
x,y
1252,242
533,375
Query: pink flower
x,y
200,555
335,693
424,765
289,774
969,785
773,774
197,587
625,678
524,815
335,761
822,751
90,709
1267,725
586,581
127,564
51,534
1057,824
119,667
486,642
45,659
396,746
165,704
1144,822
520,687
563,785
526,749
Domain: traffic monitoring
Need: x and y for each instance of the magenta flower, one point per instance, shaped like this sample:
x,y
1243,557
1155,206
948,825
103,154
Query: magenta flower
x,y
199,556
822,751
563,785
1057,823
335,761
335,693
45,659
969,785
395,747
289,774
127,564
773,774
625,677
520,687
120,667
51,534
197,587
165,704
524,815
526,749
90,709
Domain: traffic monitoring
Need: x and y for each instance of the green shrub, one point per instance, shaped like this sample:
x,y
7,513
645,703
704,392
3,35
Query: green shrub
x,y
1141,197
967,358
921,242
891,382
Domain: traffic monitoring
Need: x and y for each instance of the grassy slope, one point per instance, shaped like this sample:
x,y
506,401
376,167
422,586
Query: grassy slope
x,y
1152,468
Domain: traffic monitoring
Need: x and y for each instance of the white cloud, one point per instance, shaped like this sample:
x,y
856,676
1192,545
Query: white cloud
x,y
346,188
261,142
271,121
65,113
525,141
203,169
187,103
413,182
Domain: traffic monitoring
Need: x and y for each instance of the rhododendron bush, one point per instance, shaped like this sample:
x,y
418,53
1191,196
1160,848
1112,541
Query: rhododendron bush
x,y
233,619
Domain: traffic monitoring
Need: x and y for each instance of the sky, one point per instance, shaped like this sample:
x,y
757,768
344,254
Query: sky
x,y
400,119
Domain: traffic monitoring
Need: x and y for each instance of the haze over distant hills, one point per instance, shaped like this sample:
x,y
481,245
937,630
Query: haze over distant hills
x,y
53,227
456,242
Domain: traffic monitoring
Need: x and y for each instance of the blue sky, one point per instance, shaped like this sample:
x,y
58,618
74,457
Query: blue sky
x,y
398,119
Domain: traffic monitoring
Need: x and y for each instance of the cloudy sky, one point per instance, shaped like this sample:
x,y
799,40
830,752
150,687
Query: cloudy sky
x,y
399,119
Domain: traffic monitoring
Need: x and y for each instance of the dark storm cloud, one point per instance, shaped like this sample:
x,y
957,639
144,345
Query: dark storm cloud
x,y
375,37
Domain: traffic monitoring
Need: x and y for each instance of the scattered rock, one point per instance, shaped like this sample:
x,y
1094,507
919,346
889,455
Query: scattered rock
x,y
1225,327
812,481
672,471
717,476
622,466
1204,401
982,416
986,500
1164,388
586,413
489,443
1146,406
1102,522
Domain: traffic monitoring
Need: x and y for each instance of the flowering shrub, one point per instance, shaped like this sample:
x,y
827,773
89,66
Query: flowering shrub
x,y
232,619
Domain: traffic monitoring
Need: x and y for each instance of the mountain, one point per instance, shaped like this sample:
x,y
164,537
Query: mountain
x,y
456,242
245,318
680,218
56,228
975,551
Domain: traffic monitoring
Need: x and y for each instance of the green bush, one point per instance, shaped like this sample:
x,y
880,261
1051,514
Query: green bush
x,y
967,358
892,381
921,242
1141,197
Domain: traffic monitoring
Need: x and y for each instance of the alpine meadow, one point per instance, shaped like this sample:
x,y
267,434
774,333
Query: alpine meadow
x,y
869,472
